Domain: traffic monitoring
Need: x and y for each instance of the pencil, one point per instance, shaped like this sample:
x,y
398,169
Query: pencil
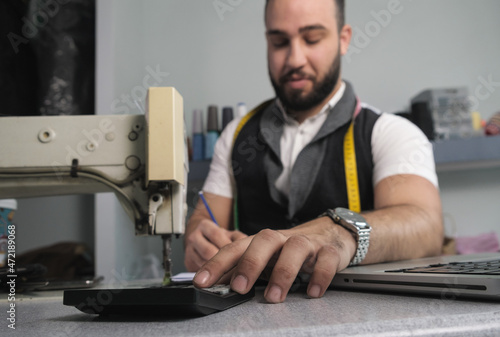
x,y
207,207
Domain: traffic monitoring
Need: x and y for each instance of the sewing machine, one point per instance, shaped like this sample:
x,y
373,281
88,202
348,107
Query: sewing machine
x,y
141,158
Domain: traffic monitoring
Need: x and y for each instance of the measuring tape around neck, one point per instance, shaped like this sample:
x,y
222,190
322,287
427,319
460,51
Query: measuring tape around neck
x,y
351,168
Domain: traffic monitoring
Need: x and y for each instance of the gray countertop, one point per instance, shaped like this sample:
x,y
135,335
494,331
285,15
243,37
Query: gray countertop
x,y
337,313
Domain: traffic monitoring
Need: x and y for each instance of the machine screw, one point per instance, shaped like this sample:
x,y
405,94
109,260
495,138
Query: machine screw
x,y
46,135
132,163
133,136
91,147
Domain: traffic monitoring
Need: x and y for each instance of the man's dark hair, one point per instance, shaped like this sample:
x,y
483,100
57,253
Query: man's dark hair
x,y
340,5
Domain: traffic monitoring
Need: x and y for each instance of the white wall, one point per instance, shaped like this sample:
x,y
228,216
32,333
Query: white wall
x,y
219,58
470,201
429,44
426,44
45,221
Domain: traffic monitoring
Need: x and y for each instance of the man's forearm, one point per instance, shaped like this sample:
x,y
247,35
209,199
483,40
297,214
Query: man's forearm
x,y
404,232
407,220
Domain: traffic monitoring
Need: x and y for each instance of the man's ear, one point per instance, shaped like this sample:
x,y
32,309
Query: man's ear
x,y
345,38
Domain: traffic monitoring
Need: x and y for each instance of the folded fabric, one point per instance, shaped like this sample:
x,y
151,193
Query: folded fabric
x,y
483,243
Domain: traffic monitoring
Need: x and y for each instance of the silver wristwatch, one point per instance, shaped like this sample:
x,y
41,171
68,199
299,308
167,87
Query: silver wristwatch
x,y
355,224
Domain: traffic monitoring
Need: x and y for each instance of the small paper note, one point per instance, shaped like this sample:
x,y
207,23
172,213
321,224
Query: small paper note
x,y
183,277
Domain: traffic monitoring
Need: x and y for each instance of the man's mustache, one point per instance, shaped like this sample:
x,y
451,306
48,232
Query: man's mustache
x,y
295,74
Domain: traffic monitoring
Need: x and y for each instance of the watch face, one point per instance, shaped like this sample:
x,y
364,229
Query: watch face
x,y
351,217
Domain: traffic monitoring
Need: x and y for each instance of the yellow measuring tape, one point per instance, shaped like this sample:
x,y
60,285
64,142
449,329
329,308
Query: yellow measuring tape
x,y
351,168
249,115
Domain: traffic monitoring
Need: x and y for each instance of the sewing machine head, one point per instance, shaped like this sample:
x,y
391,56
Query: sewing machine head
x,y
141,158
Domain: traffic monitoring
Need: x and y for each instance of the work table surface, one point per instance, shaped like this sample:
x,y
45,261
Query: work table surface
x,y
339,313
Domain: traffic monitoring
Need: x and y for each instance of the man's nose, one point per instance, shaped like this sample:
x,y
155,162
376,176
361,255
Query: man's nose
x,y
296,56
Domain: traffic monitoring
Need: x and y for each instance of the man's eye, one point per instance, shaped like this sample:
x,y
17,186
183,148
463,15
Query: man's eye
x,y
279,43
311,41
312,38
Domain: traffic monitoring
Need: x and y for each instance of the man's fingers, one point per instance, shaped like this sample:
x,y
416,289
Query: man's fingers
x,y
261,249
295,251
216,235
226,278
204,248
207,240
225,260
192,260
327,264
236,235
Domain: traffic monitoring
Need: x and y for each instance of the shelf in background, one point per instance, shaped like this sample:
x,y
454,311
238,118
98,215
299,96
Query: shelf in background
x,y
450,155
467,154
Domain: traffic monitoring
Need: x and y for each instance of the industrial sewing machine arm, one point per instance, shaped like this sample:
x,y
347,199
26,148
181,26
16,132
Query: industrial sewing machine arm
x,y
141,158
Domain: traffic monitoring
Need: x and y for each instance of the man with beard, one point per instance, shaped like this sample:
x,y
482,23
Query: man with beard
x,y
283,177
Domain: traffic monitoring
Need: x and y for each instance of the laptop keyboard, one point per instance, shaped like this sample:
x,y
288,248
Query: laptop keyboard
x,y
490,267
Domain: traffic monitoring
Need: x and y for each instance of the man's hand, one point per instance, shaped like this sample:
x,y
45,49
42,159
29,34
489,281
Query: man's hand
x,y
203,238
319,248
204,241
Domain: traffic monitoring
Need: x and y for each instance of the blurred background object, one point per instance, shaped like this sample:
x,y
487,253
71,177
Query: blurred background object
x,y
47,64
493,126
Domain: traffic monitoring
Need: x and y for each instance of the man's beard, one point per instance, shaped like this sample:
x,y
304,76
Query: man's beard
x,y
294,100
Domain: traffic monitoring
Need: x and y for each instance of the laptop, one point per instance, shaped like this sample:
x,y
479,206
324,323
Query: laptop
x,y
449,277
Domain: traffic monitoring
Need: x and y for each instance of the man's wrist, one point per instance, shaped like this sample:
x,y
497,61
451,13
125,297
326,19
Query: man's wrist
x,y
357,226
344,239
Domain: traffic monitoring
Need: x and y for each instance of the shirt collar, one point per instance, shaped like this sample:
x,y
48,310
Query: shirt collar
x,y
326,108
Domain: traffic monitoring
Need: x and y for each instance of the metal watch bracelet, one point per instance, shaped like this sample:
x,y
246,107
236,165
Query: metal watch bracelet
x,y
357,227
